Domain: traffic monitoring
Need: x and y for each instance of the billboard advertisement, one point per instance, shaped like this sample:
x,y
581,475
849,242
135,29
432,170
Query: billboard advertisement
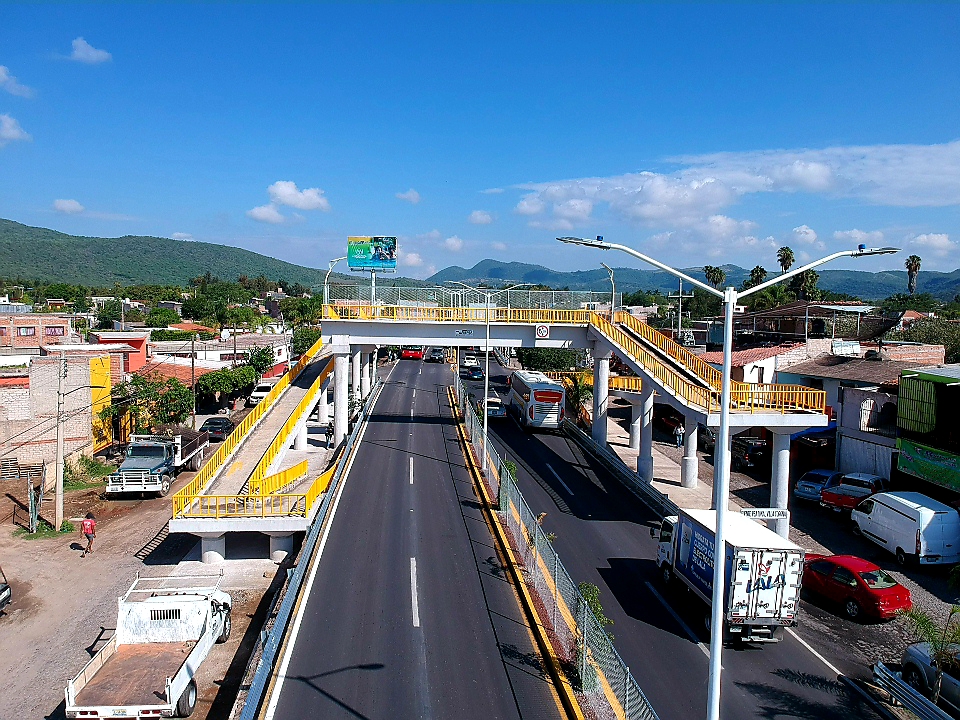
x,y
372,253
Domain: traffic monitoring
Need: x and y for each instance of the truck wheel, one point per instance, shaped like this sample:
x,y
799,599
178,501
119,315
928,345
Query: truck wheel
x,y
667,574
164,486
227,627
901,557
187,701
856,530
913,678
852,608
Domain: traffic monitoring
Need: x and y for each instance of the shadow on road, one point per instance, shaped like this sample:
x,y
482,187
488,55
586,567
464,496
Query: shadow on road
x,y
311,681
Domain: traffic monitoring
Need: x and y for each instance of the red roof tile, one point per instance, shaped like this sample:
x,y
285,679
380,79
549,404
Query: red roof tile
x,y
741,358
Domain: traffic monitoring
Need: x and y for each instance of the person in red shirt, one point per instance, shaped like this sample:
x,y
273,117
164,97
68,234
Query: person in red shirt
x,y
88,526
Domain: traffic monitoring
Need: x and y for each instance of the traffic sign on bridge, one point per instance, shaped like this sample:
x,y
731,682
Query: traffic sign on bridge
x,y
766,513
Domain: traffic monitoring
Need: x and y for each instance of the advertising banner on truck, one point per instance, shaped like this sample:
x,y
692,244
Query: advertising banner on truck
x,y
695,555
372,253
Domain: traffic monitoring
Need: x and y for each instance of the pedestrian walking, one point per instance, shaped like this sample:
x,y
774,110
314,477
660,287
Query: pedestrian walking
x,y
329,433
88,526
678,435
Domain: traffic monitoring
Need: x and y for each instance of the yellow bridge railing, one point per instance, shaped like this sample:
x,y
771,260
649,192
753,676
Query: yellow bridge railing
x,y
439,314
276,482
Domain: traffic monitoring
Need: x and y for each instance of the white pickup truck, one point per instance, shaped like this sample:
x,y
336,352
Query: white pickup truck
x,y
165,629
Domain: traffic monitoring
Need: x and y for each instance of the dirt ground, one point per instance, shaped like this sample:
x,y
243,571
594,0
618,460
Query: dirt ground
x,y
64,607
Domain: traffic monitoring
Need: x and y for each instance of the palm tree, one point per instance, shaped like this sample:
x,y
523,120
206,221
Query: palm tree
x,y
715,276
785,258
757,276
579,392
912,264
943,641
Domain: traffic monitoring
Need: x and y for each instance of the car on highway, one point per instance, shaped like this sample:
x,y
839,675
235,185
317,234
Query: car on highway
x,y
474,372
436,355
495,407
851,489
218,427
469,360
857,585
919,670
812,483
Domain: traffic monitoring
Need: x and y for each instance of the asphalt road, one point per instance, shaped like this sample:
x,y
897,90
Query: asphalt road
x,y
603,537
410,614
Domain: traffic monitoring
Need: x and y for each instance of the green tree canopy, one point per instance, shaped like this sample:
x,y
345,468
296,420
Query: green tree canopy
x,y
546,359
162,317
304,338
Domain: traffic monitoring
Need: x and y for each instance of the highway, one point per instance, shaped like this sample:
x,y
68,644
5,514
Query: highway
x,y
603,537
409,613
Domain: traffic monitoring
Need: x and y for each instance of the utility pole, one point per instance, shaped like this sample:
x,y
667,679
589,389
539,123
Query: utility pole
x,y
193,380
61,375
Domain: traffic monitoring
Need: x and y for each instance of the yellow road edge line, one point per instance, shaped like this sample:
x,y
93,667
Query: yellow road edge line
x,y
567,701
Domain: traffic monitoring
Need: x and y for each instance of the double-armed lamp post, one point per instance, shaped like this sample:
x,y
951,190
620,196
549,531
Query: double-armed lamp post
x,y
730,297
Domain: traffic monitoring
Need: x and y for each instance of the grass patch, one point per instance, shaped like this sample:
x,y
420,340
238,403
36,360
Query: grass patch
x,y
85,473
45,531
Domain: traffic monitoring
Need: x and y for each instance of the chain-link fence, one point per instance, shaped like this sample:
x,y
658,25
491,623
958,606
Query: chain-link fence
x,y
603,683
456,297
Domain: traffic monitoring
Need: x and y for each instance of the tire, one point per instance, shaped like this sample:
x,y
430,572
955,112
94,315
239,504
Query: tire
x,y
227,627
707,621
666,574
856,530
188,701
902,557
164,486
852,610
914,678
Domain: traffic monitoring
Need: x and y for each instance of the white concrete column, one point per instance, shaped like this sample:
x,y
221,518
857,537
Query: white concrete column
x,y
601,390
280,546
364,375
690,465
645,458
213,548
780,481
341,368
355,370
323,406
300,438
636,425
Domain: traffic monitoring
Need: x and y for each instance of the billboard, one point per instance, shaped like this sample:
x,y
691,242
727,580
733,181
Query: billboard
x,y
372,253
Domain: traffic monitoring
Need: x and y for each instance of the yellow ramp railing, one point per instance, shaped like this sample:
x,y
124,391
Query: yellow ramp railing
x,y
276,482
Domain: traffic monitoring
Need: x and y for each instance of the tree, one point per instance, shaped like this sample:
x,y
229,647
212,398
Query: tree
x,y
785,258
934,331
546,359
912,264
162,317
579,392
757,276
215,384
260,359
715,275
149,402
804,285
304,338
922,302
110,311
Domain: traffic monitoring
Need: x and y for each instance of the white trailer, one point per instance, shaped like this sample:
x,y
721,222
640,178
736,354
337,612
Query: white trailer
x,y
165,629
763,571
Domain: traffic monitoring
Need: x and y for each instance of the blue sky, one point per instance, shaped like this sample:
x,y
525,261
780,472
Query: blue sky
x,y
697,133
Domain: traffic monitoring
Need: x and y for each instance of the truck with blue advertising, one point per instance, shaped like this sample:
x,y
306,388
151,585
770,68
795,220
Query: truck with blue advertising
x,y
763,571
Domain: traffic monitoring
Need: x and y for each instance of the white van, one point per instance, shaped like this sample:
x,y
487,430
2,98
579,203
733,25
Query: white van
x,y
262,389
911,526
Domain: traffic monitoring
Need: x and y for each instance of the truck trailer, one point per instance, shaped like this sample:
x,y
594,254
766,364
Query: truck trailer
x,y
763,571
153,461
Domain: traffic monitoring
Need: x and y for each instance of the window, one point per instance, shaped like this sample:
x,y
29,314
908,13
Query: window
x,y
865,507
26,331
918,405
822,567
760,374
845,577
57,330
3,331
878,579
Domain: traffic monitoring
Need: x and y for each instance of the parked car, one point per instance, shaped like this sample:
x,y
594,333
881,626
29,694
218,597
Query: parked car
x,y
262,389
910,525
6,594
706,438
851,489
749,452
812,483
666,418
495,407
920,672
218,427
436,355
858,585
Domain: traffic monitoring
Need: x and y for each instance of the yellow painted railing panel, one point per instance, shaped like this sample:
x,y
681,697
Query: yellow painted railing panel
x,y
235,506
273,483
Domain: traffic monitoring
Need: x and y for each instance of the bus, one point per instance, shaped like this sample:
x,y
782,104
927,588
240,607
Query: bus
x,y
411,352
536,400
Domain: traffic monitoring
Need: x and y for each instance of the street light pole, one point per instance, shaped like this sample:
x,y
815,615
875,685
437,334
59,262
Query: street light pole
x,y
730,297
613,291
326,291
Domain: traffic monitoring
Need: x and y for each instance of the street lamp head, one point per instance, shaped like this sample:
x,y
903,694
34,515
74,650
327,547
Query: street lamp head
x,y
587,242
863,251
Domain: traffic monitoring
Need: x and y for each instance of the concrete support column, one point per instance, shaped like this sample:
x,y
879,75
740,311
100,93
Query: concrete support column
x,y
355,370
300,438
780,481
636,425
690,465
645,459
364,375
601,390
341,368
323,406
213,548
280,546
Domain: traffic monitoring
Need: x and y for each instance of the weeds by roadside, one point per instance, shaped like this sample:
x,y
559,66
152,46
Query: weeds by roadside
x,y
45,531
85,473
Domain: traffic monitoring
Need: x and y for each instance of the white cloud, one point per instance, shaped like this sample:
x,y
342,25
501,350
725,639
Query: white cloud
x,y
266,214
501,247
939,244
857,237
186,237
480,217
68,207
410,259
432,235
10,131
9,83
492,191
285,192
530,205
85,52
411,196
453,243
806,235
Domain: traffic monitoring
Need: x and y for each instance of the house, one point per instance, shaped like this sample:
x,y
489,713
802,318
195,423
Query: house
x,y
185,370
753,365
928,432
177,307
234,349
866,430
33,330
192,327
136,340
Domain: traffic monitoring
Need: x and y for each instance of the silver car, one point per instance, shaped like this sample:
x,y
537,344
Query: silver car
x,y
919,673
812,483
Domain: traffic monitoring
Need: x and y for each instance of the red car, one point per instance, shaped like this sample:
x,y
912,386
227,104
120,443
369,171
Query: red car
x,y
861,587
850,489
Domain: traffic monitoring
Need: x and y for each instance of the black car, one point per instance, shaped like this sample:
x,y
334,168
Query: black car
x,y
218,427
706,438
749,452
436,355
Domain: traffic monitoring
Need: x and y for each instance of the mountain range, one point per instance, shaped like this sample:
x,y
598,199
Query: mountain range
x,y
33,253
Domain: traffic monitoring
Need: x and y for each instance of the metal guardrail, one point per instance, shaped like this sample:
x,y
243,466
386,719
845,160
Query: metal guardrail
x,y
905,695
271,645
603,682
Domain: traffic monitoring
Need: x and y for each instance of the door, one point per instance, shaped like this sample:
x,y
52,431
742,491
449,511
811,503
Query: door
x,y
818,575
842,585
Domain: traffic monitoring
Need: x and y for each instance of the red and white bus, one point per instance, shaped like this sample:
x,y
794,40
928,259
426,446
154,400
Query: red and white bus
x,y
536,400
411,352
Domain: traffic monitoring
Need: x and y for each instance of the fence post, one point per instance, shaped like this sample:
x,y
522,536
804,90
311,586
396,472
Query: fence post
x,y
626,693
583,641
556,588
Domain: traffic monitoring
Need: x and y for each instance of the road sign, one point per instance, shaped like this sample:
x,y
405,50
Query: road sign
x,y
464,333
766,513
543,332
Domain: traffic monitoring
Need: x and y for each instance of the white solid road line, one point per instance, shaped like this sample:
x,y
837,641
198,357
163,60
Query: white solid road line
x,y
295,630
817,655
413,592
681,623
559,479
411,470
